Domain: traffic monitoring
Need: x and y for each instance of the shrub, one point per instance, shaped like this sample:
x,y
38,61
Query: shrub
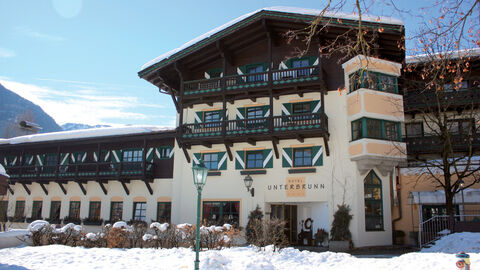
x,y
253,218
269,232
340,226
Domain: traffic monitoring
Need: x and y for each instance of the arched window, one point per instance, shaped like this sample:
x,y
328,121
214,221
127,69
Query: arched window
x,y
372,186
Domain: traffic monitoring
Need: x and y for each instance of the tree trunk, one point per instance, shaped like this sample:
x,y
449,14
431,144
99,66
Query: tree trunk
x,y
450,209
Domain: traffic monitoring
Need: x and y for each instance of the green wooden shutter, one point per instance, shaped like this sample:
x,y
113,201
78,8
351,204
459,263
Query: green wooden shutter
x,y
317,156
287,157
64,158
267,158
222,163
105,157
40,159
240,160
150,154
315,106
266,110
116,156
95,156
242,70
240,113
198,117
197,157
210,74
29,160
286,109
170,155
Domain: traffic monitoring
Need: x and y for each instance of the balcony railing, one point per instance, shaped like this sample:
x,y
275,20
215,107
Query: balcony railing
x,y
266,125
82,171
425,99
253,80
433,144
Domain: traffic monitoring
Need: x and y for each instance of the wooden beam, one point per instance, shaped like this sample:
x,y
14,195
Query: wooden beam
x,y
229,151
325,141
84,191
26,188
147,184
185,152
174,99
62,188
206,144
102,187
300,138
251,141
11,190
124,185
275,148
44,188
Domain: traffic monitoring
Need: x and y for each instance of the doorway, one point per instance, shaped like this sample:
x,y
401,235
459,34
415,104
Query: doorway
x,y
287,213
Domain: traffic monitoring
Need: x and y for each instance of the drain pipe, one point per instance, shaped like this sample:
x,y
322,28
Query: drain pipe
x,y
396,172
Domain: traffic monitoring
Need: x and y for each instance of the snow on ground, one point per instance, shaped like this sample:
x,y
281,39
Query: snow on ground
x,y
62,257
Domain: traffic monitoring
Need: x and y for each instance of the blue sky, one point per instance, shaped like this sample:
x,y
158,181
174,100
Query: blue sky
x,y
79,59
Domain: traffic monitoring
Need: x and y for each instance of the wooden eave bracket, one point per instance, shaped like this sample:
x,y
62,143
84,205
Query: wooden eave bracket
x,y
124,185
251,141
147,184
325,141
185,152
82,188
174,99
229,150
206,144
300,138
62,188
26,189
44,188
275,147
102,186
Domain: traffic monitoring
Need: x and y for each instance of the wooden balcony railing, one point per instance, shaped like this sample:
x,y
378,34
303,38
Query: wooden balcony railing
x,y
425,99
431,144
105,170
253,80
266,125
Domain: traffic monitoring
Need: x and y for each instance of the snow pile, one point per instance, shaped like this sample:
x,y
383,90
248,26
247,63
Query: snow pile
x,y
37,225
148,237
457,242
211,229
14,233
159,226
69,226
122,225
184,226
93,236
227,226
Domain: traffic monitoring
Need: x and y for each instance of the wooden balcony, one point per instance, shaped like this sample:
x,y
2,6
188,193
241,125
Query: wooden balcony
x,y
432,144
253,82
82,171
426,100
282,127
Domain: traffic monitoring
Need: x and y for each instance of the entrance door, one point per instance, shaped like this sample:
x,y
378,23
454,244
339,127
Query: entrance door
x,y
287,213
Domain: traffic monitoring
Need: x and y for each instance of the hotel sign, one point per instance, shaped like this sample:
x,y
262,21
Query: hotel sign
x,y
294,188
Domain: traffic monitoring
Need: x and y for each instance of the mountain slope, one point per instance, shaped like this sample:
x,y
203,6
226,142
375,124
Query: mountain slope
x,y
75,126
14,108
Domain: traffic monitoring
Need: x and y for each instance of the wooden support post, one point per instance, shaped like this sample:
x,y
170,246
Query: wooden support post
x,y
44,188
26,188
100,183
175,102
325,141
62,188
229,151
185,152
147,184
124,185
82,188
275,147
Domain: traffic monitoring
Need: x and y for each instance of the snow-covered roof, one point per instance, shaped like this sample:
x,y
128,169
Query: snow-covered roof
x,y
3,172
414,59
470,195
84,133
296,10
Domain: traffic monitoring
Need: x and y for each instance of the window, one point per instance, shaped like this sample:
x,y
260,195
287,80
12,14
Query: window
x,y
254,160
3,211
461,126
94,211
429,211
211,160
303,109
140,211
219,213
253,70
116,211
78,156
132,155
55,210
299,64
165,152
74,210
50,163
302,157
374,81
37,210
212,118
164,210
19,209
373,202
450,87
376,129
255,118
414,129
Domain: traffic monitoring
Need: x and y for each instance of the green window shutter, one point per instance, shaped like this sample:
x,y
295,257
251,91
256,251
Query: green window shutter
x,y
105,156
286,109
315,106
289,62
242,70
40,159
170,155
116,156
317,156
222,164
213,73
267,158
150,154
266,110
312,60
64,158
265,66
239,160
287,157
95,156
240,113
29,160
198,117
197,157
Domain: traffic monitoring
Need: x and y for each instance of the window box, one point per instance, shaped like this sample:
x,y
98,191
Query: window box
x,y
94,222
16,219
135,222
302,170
54,220
253,172
67,220
215,173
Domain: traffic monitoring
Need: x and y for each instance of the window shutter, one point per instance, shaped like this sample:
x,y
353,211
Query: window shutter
x,y
95,156
197,157
84,157
286,109
105,157
267,158
41,159
266,110
265,66
222,163
287,157
315,106
242,70
64,158
317,156
240,160
117,156
150,154
198,117
170,155
240,113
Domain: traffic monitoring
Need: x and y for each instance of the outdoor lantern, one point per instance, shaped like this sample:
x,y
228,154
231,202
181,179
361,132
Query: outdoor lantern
x,y
248,183
199,174
410,198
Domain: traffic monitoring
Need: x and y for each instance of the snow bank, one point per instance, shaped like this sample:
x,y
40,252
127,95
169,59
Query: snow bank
x,y
303,11
14,233
457,242
184,225
122,225
37,225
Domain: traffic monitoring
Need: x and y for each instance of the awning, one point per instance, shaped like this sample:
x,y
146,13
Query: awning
x,y
438,196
